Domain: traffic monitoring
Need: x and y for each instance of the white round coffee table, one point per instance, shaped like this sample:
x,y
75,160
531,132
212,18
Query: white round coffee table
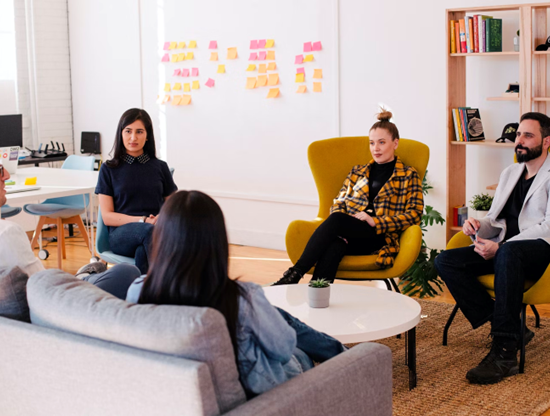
x,y
355,314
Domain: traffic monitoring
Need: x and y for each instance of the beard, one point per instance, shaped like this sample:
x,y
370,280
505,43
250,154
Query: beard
x,y
530,153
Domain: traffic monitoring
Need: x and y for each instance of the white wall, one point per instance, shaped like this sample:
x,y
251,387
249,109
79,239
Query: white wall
x,y
391,52
8,103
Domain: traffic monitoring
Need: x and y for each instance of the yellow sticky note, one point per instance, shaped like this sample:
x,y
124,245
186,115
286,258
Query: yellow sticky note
x,y
172,45
214,56
262,69
232,53
271,66
193,44
176,100
251,83
189,55
269,44
273,79
174,58
308,58
262,81
318,73
165,99
196,85
185,100
251,67
301,89
181,45
300,78
181,57
221,69
177,86
30,181
317,87
186,87
167,87
273,93
270,55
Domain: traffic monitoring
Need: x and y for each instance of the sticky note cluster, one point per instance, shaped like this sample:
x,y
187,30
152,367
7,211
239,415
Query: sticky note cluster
x,y
259,55
307,56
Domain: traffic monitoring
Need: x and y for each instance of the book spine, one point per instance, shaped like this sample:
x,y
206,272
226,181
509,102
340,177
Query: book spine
x,y
464,125
455,122
476,33
496,35
452,36
462,36
460,137
488,35
455,216
467,34
471,33
457,36
483,23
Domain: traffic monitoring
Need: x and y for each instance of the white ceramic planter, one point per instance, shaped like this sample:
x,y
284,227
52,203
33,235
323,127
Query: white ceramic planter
x,y
318,297
481,214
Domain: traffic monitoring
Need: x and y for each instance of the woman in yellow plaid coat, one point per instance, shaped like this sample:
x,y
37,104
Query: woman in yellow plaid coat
x,y
377,201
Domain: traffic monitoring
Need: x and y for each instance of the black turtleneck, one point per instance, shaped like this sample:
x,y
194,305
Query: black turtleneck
x,y
378,176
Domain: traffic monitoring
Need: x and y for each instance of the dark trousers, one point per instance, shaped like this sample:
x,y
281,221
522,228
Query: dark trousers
x,y
115,280
339,235
133,240
514,263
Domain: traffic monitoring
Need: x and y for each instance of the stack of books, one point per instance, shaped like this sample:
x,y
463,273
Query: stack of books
x,y
468,125
475,34
460,214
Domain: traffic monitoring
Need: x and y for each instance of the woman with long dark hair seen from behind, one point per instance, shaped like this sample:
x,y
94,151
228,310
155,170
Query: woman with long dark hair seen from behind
x,y
132,187
189,266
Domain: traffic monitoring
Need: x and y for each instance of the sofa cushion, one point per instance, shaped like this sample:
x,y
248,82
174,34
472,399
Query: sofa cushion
x,y
13,294
59,300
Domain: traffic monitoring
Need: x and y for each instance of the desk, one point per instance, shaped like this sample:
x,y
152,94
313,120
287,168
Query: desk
x,y
37,160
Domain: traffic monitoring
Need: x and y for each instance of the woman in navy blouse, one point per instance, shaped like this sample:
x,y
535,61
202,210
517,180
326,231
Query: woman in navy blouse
x,y
132,187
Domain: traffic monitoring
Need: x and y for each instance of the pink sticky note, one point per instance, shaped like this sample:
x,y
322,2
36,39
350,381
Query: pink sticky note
x,y
262,55
213,45
307,47
209,83
195,72
253,44
166,46
300,70
166,58
177,72
299,59
261,44
253,56
316,46
185,72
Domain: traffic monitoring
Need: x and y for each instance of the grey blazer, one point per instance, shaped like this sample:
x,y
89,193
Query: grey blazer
x,y
534,218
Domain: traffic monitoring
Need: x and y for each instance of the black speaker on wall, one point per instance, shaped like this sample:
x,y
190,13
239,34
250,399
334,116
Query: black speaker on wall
x,y
90,143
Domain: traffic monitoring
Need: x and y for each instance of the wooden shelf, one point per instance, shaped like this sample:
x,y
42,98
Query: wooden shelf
x,y
541,52
502,98
489,143
541,99
492,187
453,228
509,53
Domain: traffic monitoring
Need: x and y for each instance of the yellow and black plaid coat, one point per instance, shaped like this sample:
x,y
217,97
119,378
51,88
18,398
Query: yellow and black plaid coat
x,y
398,205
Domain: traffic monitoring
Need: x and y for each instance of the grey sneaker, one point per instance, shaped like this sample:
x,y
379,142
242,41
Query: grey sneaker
x,y
91,268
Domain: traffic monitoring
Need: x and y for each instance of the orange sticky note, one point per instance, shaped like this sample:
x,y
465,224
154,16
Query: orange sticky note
x,y
174,58
272,66
181,45
273,93
189,55
181,57
300,78
177,86
262,81
250,83
30,181
262,69
317,87
167,87
196,85
269,43
185,100
317,73
308,58
221,69
232,53
186,87
172,45
193,44
301,89
214,56
251,67
165,99
176,100
270,55
273,79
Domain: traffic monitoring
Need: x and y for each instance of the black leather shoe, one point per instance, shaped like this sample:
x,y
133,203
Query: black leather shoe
x,y
290,277
501,362
528,336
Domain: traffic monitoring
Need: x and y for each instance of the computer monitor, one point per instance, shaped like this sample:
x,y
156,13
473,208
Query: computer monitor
x,y
11,130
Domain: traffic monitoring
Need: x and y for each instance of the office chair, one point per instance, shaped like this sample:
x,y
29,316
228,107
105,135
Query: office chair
x,y
6,211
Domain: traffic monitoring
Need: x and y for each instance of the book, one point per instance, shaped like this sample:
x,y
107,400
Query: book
x,y
471,33
462,27
452,35
493,35
462,215
481,30
463,124
467,34
455,122
476,33
460,134
474,126
457,36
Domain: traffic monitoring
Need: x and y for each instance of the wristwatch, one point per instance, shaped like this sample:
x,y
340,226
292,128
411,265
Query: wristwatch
x,y
142,219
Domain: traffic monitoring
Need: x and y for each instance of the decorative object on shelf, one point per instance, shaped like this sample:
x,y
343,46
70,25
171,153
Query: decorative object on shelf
x,y
509,133
544,46
422,279
481,203
516,41
512,90
318,293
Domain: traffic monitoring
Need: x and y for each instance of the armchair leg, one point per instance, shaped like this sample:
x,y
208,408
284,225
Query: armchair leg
x,y
522,337
395,287
448,324
537,316
388,285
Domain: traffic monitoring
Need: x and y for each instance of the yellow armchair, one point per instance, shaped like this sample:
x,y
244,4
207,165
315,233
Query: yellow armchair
x,y
330,161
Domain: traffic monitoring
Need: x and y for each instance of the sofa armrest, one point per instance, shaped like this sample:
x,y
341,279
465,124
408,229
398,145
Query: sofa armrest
x,y
357,382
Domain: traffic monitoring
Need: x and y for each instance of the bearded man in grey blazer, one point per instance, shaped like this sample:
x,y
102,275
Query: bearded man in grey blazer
x,y
513,242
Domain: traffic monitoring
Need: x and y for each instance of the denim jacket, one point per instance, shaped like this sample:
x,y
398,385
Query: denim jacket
x,y
265,341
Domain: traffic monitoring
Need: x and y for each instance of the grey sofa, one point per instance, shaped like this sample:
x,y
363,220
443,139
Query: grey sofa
x,y
89,353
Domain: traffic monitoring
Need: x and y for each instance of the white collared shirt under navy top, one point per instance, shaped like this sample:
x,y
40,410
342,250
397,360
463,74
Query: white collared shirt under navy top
x,y
138,185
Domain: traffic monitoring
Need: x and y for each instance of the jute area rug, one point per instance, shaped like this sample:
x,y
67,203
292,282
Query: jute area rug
x,y
442,387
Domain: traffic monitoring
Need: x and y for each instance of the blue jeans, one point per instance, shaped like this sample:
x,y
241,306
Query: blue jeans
x,y
514,263
115,280
133,240
312,344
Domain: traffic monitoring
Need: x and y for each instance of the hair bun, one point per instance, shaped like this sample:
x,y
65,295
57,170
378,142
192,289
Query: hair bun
x,y
384,115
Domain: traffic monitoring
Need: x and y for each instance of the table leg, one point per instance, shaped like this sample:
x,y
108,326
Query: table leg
x,y
410,348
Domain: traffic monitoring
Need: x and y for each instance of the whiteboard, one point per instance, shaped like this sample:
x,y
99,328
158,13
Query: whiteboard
x,y
229,139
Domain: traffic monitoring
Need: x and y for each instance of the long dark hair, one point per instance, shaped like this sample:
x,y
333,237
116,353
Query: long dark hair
x,y
128,118
190,258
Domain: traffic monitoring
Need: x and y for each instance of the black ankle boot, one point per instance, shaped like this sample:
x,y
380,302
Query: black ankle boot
x,y
501,362
290,277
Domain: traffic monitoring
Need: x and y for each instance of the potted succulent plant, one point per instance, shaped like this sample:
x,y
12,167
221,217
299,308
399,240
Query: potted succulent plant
x,y
481,204
318,293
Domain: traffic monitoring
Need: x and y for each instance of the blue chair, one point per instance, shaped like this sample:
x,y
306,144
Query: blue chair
x,y
6,211
102,246
64,210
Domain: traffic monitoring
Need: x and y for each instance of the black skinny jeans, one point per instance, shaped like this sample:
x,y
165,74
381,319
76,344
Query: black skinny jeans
x,y
326,247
